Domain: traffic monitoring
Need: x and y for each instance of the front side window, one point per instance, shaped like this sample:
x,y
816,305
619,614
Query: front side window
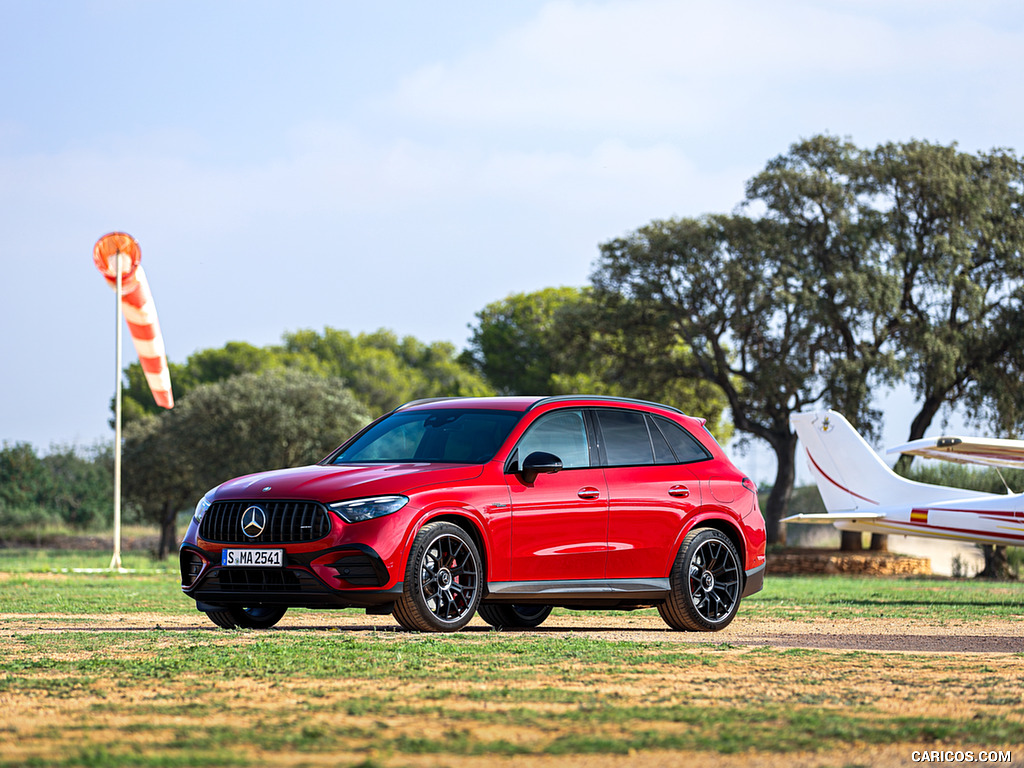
x,y
562,433
447,435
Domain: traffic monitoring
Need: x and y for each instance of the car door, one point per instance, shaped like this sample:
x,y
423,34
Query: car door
x,y
559,520
651,491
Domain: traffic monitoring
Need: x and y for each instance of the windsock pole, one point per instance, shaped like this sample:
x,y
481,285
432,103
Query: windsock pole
x,y
118,257
115,560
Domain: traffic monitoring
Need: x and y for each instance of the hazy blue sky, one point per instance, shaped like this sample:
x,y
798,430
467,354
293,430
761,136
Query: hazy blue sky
x,y
401,164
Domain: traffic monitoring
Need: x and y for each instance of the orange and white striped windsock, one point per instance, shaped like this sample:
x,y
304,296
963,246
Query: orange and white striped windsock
x,y
139,309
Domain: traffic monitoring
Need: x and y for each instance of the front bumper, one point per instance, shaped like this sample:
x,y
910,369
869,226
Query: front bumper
x,y
754,582
338,577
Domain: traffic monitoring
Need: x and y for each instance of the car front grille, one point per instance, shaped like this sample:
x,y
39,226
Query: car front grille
x,y
285,522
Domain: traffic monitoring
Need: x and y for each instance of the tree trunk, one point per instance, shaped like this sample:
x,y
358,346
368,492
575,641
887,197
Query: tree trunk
x,y
168,535
997,567
778,499
851,541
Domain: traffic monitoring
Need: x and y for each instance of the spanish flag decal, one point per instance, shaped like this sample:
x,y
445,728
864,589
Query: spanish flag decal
x,y
919,516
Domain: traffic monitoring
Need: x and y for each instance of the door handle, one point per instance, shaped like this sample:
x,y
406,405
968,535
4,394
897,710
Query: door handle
x,y
679,491
588,493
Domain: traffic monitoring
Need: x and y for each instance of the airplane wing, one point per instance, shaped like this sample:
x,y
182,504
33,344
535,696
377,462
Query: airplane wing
x,y
833,517
988,451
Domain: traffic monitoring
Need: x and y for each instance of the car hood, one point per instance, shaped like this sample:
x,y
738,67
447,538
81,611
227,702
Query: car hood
x,y
343,481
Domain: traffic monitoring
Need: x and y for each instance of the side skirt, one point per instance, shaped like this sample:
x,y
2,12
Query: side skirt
x,y
579,591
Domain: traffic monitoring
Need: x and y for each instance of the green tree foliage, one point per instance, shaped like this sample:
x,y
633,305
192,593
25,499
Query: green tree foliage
x,y
246,423
382,370
952,233
82,483
70,486
560,341
859,267
205,367
523,342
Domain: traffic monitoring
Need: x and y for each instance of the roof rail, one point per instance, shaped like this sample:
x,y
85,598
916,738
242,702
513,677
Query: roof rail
x,y
426,400
608,398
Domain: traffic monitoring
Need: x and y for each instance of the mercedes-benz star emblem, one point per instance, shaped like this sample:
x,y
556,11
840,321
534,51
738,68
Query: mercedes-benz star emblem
x,y
254,520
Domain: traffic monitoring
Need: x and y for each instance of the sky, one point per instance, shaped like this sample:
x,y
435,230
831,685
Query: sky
x,y
402,164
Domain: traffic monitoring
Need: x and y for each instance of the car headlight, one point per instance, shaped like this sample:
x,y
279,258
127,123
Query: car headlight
x,y
203,505
357,510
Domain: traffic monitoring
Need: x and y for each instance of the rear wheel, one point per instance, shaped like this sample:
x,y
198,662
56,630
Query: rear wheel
x,y
258,617
503,616
442,580
706,582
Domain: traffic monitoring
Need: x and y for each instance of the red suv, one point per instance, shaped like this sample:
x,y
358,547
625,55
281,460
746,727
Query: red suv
x,y
499,506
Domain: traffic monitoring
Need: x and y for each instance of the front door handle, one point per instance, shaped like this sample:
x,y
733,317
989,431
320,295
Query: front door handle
x,y
588,493
679,491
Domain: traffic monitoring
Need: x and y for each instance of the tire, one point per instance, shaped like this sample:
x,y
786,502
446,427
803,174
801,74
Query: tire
x,y
258,617
443,580
505,616
706,583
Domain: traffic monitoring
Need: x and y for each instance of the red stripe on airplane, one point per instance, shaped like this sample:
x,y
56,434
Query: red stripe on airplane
x,y
974,532
843,488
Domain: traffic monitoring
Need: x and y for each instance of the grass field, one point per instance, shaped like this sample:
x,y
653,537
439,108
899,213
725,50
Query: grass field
x,y
120,670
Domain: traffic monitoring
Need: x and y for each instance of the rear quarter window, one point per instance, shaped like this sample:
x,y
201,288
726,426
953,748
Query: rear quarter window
x,y
685,446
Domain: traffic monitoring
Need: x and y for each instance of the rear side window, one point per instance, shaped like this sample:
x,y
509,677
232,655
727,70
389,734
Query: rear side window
x,y
627,442
632,438
685,446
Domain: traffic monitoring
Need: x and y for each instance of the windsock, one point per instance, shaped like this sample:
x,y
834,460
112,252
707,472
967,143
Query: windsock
x,y
138,307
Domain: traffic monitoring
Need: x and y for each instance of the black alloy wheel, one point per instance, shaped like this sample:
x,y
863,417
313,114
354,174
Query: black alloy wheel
x,y
706,582
442,580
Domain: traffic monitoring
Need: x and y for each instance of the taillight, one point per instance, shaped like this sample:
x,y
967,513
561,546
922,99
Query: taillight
x,y
747,483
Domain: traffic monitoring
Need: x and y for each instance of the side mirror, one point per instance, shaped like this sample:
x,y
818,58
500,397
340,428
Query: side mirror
x,y
539,463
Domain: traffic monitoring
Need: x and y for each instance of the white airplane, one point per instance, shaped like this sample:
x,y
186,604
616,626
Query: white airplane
x,y
861,493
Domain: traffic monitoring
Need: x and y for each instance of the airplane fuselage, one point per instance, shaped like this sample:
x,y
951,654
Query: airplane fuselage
x,y
985,520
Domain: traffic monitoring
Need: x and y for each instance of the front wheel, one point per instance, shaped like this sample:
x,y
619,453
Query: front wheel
x,y
504,616
259,617
442,580
706,582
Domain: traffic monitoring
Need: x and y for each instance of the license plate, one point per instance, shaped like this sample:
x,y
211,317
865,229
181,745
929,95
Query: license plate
x,y
265,558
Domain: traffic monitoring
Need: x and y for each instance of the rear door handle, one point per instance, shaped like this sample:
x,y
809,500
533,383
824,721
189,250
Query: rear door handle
x,y
588,493
679,491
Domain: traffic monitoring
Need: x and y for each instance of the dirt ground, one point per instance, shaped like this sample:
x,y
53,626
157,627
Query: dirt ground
x,y
864,634
965,655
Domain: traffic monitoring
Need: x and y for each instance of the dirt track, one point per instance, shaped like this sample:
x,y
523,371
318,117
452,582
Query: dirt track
x,y
868,634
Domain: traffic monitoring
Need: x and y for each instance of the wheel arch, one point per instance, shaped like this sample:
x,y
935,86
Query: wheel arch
x,y
468,523
724,526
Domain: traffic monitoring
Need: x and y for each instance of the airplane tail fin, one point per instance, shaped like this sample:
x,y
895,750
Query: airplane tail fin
x,y
850,475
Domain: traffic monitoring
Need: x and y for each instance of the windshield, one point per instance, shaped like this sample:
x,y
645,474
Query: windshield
x,y
450,435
